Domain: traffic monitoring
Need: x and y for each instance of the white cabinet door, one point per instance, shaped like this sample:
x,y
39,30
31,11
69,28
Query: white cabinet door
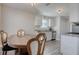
x,y
74,13
69,45
49,35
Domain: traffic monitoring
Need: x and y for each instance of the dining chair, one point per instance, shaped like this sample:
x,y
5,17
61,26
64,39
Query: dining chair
x,y
41,37
32,46
35,46
5,46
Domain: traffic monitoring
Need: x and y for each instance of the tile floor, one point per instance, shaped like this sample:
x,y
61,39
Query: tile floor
x,y
52,48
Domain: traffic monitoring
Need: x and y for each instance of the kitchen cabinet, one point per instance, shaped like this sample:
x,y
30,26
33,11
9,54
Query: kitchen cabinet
x,y
74,13
51,35
70,44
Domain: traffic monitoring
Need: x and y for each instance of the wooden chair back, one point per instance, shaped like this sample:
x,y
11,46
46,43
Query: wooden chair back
x,y
3,36
40,39
29,46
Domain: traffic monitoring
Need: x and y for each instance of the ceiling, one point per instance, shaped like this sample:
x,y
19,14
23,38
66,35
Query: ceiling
x,y
46,9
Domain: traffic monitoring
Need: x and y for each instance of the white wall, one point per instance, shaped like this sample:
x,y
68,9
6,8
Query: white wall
x,y
64,24
14,19
58,22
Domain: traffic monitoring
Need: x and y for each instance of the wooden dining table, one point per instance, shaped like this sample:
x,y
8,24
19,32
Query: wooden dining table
x,y
19,42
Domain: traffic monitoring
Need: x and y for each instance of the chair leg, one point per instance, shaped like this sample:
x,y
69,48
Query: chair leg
x,y
19,51
16,51
4,53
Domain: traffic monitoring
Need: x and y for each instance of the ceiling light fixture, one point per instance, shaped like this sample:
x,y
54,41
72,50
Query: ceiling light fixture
x,y
60,10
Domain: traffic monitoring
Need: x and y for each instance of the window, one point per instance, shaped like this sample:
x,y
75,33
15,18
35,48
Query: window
x,y
45,23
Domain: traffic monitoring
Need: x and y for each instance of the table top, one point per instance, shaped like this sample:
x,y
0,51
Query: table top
x,y
13,40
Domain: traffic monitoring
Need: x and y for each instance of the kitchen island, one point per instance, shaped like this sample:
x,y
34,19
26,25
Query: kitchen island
x,y
69,44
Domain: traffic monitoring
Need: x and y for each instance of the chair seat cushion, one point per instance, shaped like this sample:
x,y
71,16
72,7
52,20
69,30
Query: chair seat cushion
x,y
8,48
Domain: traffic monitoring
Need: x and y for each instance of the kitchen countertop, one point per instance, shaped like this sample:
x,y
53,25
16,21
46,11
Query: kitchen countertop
x,y
73,34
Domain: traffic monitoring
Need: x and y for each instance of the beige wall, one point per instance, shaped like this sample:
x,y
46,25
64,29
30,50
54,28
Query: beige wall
x,y
14,19
1,23
0,16
1,20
